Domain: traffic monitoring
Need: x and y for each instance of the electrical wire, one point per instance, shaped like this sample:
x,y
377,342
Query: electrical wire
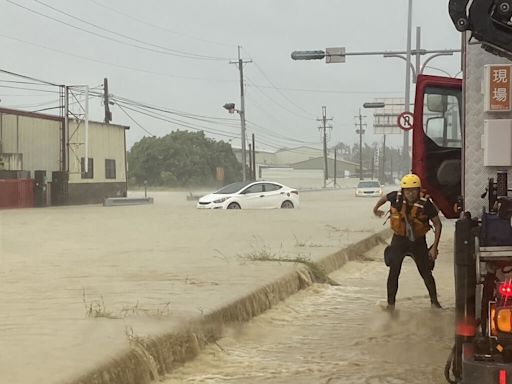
x,y
162,50
258,67
277,136
177,122
21,82
280,124
345,92
275,102
209,119
144,108
161,74
202,119
27,77
28,89
117,11
132,119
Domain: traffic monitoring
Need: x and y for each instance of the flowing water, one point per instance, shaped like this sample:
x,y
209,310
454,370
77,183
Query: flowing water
x,y
339,334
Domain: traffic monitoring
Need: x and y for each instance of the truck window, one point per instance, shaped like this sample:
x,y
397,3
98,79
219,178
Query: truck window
x,y
441,117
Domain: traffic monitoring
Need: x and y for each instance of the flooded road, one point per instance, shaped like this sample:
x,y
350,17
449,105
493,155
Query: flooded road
x,y
339,334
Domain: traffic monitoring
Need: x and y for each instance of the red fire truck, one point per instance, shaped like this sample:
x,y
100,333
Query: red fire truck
x,y
462,150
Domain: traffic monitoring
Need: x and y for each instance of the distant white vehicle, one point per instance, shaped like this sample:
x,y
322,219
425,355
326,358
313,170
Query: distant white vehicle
x,y
368,188
251,195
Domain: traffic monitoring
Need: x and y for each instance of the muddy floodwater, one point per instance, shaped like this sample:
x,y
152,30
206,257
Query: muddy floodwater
x,y
76,282
340,334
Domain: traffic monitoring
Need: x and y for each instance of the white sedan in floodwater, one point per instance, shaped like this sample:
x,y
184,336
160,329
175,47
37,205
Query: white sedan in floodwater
x,y
251,195
368,188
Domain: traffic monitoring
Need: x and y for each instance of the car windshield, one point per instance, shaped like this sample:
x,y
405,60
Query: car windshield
x,y
368,184
232,188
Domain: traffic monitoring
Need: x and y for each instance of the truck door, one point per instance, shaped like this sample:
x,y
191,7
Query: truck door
x,y
437,140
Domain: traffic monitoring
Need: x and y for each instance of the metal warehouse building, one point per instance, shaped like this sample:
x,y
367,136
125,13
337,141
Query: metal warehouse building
x,y
44,161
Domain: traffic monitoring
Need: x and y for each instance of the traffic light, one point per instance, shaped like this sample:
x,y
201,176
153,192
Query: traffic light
x,y
374,105
308,55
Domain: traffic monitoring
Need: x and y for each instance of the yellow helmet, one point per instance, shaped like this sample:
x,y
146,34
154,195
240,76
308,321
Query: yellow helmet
x,y
410,181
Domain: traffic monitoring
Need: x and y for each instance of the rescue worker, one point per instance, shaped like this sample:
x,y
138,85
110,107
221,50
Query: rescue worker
x,y
411,211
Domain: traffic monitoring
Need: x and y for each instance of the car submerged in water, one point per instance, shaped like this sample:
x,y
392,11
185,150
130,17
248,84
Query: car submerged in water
x,y
251,195
368,188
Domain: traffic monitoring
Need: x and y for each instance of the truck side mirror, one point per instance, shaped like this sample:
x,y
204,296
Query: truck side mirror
x,y
436,103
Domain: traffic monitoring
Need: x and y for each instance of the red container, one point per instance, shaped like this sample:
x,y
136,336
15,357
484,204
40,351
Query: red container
x,y
16,193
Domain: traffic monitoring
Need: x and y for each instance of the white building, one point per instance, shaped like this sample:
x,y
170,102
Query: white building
x,y
76,166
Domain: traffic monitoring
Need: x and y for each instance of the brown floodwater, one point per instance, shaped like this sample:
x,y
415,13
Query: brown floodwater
x,y
339,334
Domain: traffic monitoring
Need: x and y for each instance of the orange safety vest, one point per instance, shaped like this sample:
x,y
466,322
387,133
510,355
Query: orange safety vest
x,y
417,218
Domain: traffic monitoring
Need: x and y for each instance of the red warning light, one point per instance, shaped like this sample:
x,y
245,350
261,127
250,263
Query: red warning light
x,y
506,289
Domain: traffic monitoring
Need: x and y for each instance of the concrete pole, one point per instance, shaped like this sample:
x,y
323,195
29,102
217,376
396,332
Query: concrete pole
x,y
360,145
253,158
335,161
66,129
406,159
383,179
324,123
242,112
418,55
86,118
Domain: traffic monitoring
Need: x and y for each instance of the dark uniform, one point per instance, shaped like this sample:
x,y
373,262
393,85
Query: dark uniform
x,y
410,224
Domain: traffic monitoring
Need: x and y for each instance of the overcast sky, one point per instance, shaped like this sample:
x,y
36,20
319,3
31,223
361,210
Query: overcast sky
x,y
175,55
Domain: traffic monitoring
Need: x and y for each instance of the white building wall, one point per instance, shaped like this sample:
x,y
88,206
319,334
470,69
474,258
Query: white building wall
x,y
105,141
38,140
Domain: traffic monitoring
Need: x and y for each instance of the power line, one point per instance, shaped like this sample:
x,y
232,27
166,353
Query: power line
x,y
28,89
132,119
112,64
21,82
126,36
192,116
27,77
349,92
279,90
177,122
276,102
117,11
166,51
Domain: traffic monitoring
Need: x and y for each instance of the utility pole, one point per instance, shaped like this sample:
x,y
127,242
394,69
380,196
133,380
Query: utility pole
x,y
324,126
250,162
407,85
335,163
384,160
360,131
253,158
391,166
241,63
108,114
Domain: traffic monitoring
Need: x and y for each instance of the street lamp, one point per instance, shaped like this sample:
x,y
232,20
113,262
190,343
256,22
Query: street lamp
x,y
378,105
230,107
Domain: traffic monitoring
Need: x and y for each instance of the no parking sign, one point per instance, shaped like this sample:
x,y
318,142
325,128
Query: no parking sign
x,y
405,120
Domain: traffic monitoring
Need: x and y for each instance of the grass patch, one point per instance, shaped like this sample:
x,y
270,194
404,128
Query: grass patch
x,y
266,254
162,310
304,244
96,308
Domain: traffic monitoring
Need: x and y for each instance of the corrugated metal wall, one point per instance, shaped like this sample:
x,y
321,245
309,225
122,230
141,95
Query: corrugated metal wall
x,y
105,142
38,140
34,142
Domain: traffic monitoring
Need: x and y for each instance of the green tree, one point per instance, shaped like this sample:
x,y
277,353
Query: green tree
x,y
181,159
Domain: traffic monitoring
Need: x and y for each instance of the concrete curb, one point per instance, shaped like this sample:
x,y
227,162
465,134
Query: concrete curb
x,y
150,358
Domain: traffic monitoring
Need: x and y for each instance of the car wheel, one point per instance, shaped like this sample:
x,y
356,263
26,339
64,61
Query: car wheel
x,y
233,206
287,204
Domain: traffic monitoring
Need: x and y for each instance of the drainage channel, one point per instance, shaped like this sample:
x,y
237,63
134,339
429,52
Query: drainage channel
x,y
338,334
